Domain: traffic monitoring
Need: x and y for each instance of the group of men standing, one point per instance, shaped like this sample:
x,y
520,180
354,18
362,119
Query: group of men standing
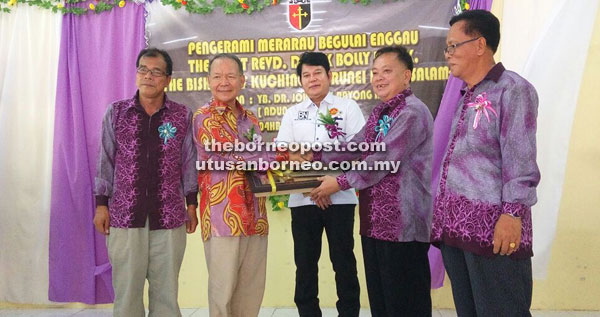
x,y
147,187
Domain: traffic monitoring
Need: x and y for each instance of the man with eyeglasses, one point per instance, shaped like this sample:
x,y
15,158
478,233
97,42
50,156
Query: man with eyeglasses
x,y
146,190
482,210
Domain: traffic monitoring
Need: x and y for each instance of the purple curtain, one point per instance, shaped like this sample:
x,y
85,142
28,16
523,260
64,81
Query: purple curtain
x,y
96,67
441,136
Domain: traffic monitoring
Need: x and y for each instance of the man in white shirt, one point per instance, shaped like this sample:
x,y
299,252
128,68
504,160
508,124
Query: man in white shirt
x,y
301,123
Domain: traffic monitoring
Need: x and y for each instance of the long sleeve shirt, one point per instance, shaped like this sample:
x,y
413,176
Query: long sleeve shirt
x,y
489,168
300,124
227,205
146,165
393,206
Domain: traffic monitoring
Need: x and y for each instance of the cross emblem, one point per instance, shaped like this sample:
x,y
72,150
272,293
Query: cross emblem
x,y
299,14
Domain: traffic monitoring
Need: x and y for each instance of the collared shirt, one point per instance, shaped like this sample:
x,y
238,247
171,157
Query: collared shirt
x,y
300,123
394,206
227,206
490,165
141,175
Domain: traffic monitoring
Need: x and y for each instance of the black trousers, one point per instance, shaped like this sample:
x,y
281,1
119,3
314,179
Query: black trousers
x,y
483,286
308,223
398,278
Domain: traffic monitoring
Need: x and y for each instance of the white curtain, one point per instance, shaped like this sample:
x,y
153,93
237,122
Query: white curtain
x,y
547,42
29,48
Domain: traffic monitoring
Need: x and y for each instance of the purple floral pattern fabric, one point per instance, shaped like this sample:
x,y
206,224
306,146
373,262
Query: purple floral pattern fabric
x,y
394,206
342,180
489,170
169,188
141,175
126,168
469,224
385,216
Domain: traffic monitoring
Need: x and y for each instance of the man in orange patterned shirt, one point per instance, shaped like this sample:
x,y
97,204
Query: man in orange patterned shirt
x,y
233,221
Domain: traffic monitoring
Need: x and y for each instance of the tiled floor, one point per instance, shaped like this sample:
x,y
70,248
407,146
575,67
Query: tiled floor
x,y
265,312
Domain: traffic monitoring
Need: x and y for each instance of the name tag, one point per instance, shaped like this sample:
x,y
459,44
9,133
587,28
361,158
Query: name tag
x,y
302,115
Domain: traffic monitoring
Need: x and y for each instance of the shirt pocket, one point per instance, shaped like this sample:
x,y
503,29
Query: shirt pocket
x,y
485,134
304,130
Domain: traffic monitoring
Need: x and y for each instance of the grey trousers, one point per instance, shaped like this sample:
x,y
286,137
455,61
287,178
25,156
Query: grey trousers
x,y
483,286
137,254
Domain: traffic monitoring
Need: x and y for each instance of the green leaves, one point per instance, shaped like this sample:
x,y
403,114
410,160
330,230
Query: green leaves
x,y
326,119
192,6
279,202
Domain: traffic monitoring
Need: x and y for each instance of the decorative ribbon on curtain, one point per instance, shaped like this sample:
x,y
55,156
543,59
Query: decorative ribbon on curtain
x,y
96,67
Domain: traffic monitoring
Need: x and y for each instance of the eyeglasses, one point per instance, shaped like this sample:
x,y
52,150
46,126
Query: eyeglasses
x,y
143,70
451,48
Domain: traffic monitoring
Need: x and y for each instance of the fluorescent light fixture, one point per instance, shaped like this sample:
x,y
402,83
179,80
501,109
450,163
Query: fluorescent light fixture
x,y
179,40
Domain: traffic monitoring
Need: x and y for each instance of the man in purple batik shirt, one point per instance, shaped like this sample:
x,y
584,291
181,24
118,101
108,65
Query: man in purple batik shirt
x,y
395,207
146,175
482,210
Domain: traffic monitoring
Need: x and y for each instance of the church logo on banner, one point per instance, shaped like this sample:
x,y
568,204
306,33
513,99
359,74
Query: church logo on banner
x,y
299,13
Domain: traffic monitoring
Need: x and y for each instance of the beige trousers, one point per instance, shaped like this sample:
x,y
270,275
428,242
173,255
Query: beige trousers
x,y
236,275
137,254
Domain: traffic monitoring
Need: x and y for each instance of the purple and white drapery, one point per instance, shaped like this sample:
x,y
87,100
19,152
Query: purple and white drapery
x,y
96,67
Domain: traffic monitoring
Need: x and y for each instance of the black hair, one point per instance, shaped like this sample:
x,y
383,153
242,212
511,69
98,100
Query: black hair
x,y
480,23
155,52
402,53
312,59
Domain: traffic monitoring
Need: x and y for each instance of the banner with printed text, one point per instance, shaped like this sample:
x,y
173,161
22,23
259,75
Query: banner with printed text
x,y
270,42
